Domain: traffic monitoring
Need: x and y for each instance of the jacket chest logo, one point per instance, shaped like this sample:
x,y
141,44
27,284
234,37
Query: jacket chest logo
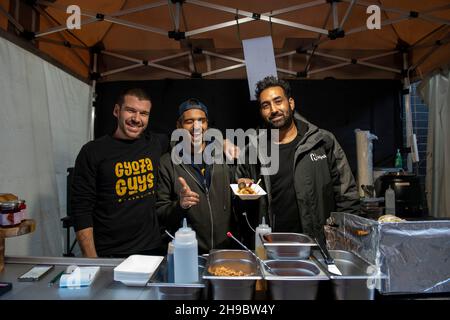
x,y
314,157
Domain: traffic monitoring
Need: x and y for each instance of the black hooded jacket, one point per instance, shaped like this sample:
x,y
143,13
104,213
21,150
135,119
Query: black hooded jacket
x,y
323,180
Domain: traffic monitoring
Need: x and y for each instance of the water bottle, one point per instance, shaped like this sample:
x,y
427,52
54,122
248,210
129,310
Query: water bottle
x,y
262,229
185,255
398,160
389,200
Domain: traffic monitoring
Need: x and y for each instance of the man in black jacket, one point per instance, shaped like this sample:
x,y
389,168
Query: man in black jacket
x,y
114,182
313,177
194,187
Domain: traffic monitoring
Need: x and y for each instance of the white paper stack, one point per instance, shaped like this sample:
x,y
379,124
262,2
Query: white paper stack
x,y
136,270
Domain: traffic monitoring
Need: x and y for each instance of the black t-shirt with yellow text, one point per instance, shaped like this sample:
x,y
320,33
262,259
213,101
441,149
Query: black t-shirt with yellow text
x,y
113,191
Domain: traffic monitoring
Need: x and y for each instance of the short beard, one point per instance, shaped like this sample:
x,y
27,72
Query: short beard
x,y
286,124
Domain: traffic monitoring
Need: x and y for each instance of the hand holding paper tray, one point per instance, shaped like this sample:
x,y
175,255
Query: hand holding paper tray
x,y
80,277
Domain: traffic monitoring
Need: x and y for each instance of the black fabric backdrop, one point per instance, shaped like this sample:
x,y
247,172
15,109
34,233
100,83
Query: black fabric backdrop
x,y
339,106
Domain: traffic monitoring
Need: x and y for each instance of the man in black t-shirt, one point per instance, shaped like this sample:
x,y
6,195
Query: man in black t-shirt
x,y
114,183
313,178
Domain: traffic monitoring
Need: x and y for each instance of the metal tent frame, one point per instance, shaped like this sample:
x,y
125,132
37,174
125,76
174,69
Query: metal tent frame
x,y
241,17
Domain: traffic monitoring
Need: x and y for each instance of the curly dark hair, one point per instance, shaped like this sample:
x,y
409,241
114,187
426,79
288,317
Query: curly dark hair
x,y
272,81
135,92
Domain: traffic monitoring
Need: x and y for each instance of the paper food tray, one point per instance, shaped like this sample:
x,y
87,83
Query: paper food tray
x,y
259,192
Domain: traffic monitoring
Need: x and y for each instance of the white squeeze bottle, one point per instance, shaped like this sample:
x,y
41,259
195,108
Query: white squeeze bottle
x,y
262,229
185,255
389,200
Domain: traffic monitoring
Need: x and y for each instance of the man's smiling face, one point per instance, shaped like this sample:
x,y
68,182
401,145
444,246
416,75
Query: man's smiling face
x,y
275,108
132,117
196,122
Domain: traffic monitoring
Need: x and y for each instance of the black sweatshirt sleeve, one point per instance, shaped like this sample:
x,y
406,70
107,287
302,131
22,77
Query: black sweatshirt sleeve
x,y
84,188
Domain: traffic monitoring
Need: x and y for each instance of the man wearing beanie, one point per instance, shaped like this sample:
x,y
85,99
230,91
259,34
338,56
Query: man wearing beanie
x,y
194,189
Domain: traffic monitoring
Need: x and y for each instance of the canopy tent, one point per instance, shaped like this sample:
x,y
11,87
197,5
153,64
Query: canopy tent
x,y
141,39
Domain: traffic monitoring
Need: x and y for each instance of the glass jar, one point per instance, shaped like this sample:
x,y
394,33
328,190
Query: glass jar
x,y
23,210
10,215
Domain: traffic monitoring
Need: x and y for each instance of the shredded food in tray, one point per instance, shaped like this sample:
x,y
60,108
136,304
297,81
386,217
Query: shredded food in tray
x,y
225,271
246,190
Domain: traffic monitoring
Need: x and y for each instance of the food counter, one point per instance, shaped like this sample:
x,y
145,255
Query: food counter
x,y
376,260
103,287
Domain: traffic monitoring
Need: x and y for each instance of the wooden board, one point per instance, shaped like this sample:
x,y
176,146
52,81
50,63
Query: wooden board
x,y
27,226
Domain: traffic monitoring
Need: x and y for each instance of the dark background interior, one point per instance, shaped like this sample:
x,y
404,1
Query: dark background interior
x,y
340,106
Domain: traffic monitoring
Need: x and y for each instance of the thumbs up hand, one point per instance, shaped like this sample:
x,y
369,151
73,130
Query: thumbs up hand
x,y
188,198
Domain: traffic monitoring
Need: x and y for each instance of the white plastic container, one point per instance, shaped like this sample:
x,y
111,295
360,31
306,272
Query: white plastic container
x,y
137,269
185,255
170,263
389,200
262,229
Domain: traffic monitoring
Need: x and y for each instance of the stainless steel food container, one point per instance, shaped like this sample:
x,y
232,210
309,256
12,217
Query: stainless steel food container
x,y
287,246
232,287
358,278
166,290
293,279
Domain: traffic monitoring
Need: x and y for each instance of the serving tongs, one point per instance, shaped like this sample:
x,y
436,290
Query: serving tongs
x,y
230,235
328,259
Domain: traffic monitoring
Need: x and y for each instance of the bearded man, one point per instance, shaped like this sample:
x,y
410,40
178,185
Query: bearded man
x,y
313,177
